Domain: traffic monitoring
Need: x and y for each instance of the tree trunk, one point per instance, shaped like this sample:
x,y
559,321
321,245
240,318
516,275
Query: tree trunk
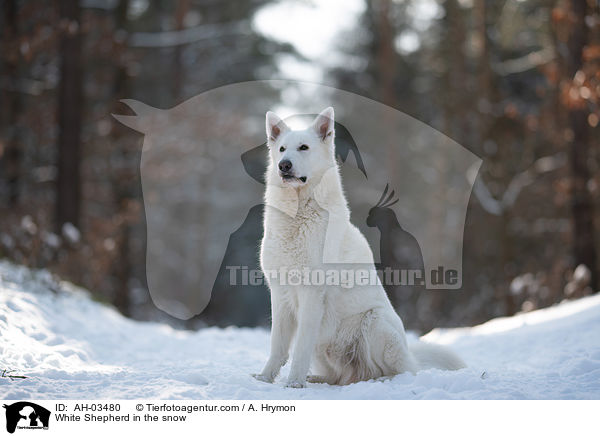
x,y
12,153
70,108
581,201
386,54
455,103
122,178
181,11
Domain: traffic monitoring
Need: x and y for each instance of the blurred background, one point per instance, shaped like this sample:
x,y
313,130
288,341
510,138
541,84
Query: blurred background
x,y
517,82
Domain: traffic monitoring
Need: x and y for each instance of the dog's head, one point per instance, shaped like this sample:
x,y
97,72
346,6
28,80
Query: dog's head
x,y
297,157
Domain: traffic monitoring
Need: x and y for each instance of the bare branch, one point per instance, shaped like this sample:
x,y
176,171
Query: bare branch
x,y
524,63
487,201
25,85
516,185
187,36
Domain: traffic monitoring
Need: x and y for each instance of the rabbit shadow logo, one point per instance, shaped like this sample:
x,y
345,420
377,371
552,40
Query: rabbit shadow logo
x,y
399,249
26,415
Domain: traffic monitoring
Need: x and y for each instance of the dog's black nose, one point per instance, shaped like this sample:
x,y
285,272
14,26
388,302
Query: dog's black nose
x,y
285,166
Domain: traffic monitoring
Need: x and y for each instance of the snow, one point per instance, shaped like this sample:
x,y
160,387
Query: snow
x,y
71,233
71,347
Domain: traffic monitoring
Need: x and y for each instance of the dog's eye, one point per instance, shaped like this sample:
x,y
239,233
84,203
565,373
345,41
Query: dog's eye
x,y
281,149
303,147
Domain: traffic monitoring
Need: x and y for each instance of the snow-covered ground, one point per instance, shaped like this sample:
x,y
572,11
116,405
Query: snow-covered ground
x,y
70,346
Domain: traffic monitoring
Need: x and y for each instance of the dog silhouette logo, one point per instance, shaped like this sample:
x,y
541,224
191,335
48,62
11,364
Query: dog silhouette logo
x,y
26,415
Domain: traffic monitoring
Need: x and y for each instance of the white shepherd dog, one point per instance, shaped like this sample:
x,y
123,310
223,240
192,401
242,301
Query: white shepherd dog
x,y
342,334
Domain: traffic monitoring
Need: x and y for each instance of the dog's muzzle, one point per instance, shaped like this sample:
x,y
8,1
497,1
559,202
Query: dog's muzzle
x,y
290,177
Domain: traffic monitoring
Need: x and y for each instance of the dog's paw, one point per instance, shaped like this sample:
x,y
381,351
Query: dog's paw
x,y
295,384
262,378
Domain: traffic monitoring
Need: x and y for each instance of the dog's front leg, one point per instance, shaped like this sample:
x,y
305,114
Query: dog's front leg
x,y
310,315
282,331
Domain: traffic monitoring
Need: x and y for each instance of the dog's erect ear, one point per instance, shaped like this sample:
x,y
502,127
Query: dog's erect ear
x,y
275,126
323,124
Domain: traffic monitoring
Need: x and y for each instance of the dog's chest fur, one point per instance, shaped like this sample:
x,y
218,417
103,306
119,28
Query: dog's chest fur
x,y
294,242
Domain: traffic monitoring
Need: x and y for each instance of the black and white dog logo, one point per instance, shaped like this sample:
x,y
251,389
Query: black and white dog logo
x,y
26,415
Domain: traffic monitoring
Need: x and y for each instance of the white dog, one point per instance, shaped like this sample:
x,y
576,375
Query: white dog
x,y
344,335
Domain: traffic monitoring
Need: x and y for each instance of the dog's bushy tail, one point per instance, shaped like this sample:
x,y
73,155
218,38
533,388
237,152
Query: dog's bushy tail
x,y
435,356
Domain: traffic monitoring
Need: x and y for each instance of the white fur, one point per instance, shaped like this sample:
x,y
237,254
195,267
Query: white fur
x,y
342,335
